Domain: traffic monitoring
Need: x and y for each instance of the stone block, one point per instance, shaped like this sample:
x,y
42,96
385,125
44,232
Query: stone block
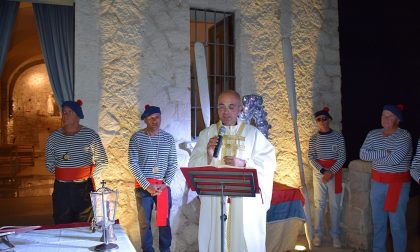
x,y
356,216
332,70
361,242
331,55
361,201
360,166
349,216
359,182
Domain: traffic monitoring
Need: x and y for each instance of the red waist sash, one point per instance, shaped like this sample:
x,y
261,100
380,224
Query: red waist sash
x,y
395,182
327,164
72,174
79,173
162,204
136,184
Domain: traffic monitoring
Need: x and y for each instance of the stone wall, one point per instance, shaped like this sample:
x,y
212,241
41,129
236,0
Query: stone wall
x,y
132,53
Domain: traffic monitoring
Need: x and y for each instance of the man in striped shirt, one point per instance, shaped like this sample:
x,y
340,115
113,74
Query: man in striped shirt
x,y
327,155
389,149
75,154
415,165
152,161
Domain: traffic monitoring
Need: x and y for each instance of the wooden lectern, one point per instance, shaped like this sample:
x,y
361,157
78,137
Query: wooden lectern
x,y
224,181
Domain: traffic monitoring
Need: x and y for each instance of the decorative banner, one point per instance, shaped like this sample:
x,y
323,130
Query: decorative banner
x,y
254,113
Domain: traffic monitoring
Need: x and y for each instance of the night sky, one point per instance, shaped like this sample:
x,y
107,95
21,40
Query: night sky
x,y
380,64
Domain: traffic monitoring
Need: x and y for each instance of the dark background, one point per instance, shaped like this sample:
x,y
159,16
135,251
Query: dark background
x,y
380,64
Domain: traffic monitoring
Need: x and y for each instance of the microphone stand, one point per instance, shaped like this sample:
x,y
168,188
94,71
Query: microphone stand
x,y
223,216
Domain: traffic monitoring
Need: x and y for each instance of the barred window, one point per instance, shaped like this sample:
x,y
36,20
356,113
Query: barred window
x,y
215,30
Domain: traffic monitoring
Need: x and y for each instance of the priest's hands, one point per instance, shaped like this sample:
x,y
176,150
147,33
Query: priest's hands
x,y
211,145
234,161
228,160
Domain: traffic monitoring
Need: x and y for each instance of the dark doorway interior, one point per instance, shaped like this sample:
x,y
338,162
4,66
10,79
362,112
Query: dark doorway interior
x,y
380,62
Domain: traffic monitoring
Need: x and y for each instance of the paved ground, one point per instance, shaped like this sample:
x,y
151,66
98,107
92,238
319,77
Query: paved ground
x,y
413,243
38,211
326,246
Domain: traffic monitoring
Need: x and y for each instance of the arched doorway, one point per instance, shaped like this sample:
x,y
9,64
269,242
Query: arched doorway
x,y
26,121
34,113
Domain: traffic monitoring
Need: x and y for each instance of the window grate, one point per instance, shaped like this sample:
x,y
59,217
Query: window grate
x,y
215,30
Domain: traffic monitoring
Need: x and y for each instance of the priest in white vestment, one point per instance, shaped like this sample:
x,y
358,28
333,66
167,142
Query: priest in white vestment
x,y
242,146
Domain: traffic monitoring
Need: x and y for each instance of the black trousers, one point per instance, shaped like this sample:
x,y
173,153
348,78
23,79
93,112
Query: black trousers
x,y
71,202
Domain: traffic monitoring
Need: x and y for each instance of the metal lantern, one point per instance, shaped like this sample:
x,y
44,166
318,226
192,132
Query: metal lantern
x,y
104,204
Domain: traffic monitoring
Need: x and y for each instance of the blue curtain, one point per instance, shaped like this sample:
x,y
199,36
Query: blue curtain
x,y
8,12
55,25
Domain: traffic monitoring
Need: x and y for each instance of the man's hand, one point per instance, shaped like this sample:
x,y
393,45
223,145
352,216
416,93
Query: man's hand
x,y
327,177
160,188
211,145
155,190
152,189
234,161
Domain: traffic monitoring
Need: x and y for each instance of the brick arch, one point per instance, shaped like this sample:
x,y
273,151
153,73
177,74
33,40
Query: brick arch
x,y
21,69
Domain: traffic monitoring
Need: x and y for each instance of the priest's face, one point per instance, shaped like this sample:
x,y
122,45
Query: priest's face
x,y
229,106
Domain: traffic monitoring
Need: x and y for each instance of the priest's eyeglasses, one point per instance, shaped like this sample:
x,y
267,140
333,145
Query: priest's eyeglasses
x,y
230,107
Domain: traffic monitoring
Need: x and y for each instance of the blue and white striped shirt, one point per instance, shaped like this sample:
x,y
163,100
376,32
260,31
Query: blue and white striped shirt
x,y
146,152
415,165
327,146
83,149
388,153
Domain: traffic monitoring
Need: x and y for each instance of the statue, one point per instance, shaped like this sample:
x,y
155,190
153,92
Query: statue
x,y
51,105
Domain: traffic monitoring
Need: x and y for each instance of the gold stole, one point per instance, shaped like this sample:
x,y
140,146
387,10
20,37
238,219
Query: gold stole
x,y
232,143
230,146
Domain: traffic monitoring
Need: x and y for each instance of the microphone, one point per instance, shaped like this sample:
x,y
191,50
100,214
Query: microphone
x,y
222,131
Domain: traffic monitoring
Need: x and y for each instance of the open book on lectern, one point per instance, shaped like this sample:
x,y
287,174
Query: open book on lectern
x,y
210,180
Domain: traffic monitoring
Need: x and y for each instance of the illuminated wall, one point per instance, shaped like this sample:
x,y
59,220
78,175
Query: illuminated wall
x,y
30,119
129,54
